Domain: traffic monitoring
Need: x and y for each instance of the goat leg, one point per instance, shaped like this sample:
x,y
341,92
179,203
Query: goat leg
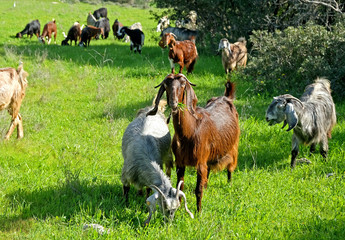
x,y
13,125
324,147
200,183
312,148
180,176
294,154
125,193
20,131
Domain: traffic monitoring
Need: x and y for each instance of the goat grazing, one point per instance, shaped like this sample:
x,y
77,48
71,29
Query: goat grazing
x,y
233,55
206,138
116,26
136,36
99,13
12,91
181,52
311,117
88,33
104,24
74,34
33,27
145,147
48,30
181,33
163,23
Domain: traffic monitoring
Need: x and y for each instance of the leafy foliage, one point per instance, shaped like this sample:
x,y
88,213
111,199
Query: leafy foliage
x,y
289,60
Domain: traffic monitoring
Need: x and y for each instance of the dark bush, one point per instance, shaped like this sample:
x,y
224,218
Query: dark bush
x,y
286,61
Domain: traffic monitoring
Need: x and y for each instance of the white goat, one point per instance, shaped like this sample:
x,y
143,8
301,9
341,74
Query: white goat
x,y
233,55
312,117
145,147
12,91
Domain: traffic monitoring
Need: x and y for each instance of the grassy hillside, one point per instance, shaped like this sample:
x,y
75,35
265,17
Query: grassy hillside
x,y
65,172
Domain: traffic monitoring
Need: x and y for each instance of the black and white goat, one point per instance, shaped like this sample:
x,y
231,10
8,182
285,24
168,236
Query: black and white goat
x,y
136,36
163,23
145,148
312,117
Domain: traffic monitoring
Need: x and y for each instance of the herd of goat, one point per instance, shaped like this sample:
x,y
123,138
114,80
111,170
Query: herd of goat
x,y
206,138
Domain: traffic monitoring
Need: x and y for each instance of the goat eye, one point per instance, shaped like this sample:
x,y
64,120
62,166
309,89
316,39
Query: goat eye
x,y
281,106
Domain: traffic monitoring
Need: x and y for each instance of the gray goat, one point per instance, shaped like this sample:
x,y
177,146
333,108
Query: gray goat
x,y
312,117
145,147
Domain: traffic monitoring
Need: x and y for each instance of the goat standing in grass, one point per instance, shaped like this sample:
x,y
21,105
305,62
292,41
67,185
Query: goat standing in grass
x,y
145,147
181,52
205,138
136,36
233,55
12,91
312,117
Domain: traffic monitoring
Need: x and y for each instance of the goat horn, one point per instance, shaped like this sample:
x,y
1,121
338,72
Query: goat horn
x,y
158,190
185,204
178,189
182,75
289,97
174,36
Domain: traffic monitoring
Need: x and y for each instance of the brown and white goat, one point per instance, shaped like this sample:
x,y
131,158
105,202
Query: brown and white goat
x,y
233,55
181,52
116,26
48,30
205,138
12,91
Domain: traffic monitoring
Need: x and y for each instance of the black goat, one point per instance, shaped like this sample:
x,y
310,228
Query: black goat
x,y
102,12
33,27
74,34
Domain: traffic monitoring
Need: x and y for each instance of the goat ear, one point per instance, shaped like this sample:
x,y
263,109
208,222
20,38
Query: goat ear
x,y
291,116
191,98
158,98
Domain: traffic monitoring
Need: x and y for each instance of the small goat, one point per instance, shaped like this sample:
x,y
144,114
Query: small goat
x,y
188,21
99,13
33,27
74,34
136,36
48,30
12,91
88,33
312,117
181,52
206,138
104,24
181,33
145,147
233,55
163,23
116,26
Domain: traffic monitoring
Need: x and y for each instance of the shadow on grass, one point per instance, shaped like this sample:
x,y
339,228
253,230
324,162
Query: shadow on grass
x,y
75,198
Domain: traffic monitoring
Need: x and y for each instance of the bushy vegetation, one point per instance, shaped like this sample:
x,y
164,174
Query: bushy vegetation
x,y
289,60
65,172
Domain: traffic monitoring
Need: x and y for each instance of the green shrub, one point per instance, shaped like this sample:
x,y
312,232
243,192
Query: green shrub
x,y
286,61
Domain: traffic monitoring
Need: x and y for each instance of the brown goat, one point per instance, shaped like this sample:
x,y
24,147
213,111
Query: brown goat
x,y
181,52
233,55
206,138
48,30
74,34
12,91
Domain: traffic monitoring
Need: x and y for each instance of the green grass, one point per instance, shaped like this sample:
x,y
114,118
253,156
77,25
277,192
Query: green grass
x,y
65,172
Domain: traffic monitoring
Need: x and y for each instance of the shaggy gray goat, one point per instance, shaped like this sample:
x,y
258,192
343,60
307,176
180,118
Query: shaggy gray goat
x,y
312,117
145,147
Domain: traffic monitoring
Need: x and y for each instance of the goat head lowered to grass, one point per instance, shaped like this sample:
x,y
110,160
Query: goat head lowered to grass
x,y
312,117
205,138
12,91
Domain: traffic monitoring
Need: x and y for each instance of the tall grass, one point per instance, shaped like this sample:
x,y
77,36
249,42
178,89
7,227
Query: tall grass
x,y
65,172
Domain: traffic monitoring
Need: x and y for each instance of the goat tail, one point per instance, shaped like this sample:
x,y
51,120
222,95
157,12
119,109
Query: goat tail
x,y
229,90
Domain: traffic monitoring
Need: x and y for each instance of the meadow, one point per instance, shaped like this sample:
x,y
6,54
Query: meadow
x,y
66,170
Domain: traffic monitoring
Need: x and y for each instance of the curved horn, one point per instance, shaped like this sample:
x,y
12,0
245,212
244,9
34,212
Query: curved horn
x,y
292,99
174,36
159,191
182,75
185,204
178,189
